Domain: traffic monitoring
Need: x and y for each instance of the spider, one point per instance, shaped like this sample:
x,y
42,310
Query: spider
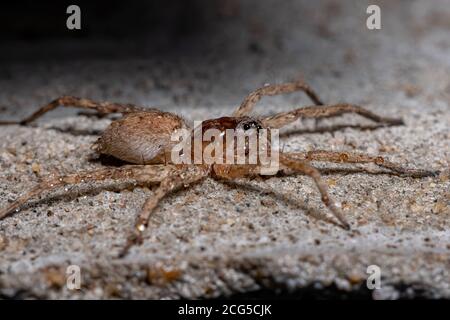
x,y
142,138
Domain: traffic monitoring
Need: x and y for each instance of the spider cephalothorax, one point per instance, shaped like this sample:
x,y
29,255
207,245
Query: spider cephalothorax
x,y
144,139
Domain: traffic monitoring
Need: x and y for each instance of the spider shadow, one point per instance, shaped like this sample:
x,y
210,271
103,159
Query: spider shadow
x,y
332,129
87,132
298,203
106,160
293,203
76,191
77,132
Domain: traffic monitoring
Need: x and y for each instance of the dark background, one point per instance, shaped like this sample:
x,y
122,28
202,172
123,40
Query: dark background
x,y
208,52
37,29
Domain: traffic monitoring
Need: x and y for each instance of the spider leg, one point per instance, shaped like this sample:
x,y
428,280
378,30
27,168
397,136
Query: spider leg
x,y
304,167
227,172
178,178
139,173
349,157
281,119
69,101
270,90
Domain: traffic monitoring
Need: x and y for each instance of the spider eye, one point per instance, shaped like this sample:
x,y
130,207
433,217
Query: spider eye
x,y
250,125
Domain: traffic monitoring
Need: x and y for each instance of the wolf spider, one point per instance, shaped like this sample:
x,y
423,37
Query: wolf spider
x,y
142,138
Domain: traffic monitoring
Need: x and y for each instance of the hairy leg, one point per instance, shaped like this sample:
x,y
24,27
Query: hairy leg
x,y
270,90
282,119
139,173
224,172
178,178
350,157
304,167
68,101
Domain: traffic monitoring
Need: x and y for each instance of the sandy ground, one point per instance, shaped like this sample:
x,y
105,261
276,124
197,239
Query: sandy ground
x,y
259,237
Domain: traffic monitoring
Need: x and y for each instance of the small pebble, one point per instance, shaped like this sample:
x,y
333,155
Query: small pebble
x,y
36,168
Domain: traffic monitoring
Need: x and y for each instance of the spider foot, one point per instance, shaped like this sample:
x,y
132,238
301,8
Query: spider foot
x,y
134,239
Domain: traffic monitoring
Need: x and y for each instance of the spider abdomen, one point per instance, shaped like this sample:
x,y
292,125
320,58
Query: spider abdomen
x,y
139,137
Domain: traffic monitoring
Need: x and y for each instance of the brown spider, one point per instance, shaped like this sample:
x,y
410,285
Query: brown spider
x,y
142,137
